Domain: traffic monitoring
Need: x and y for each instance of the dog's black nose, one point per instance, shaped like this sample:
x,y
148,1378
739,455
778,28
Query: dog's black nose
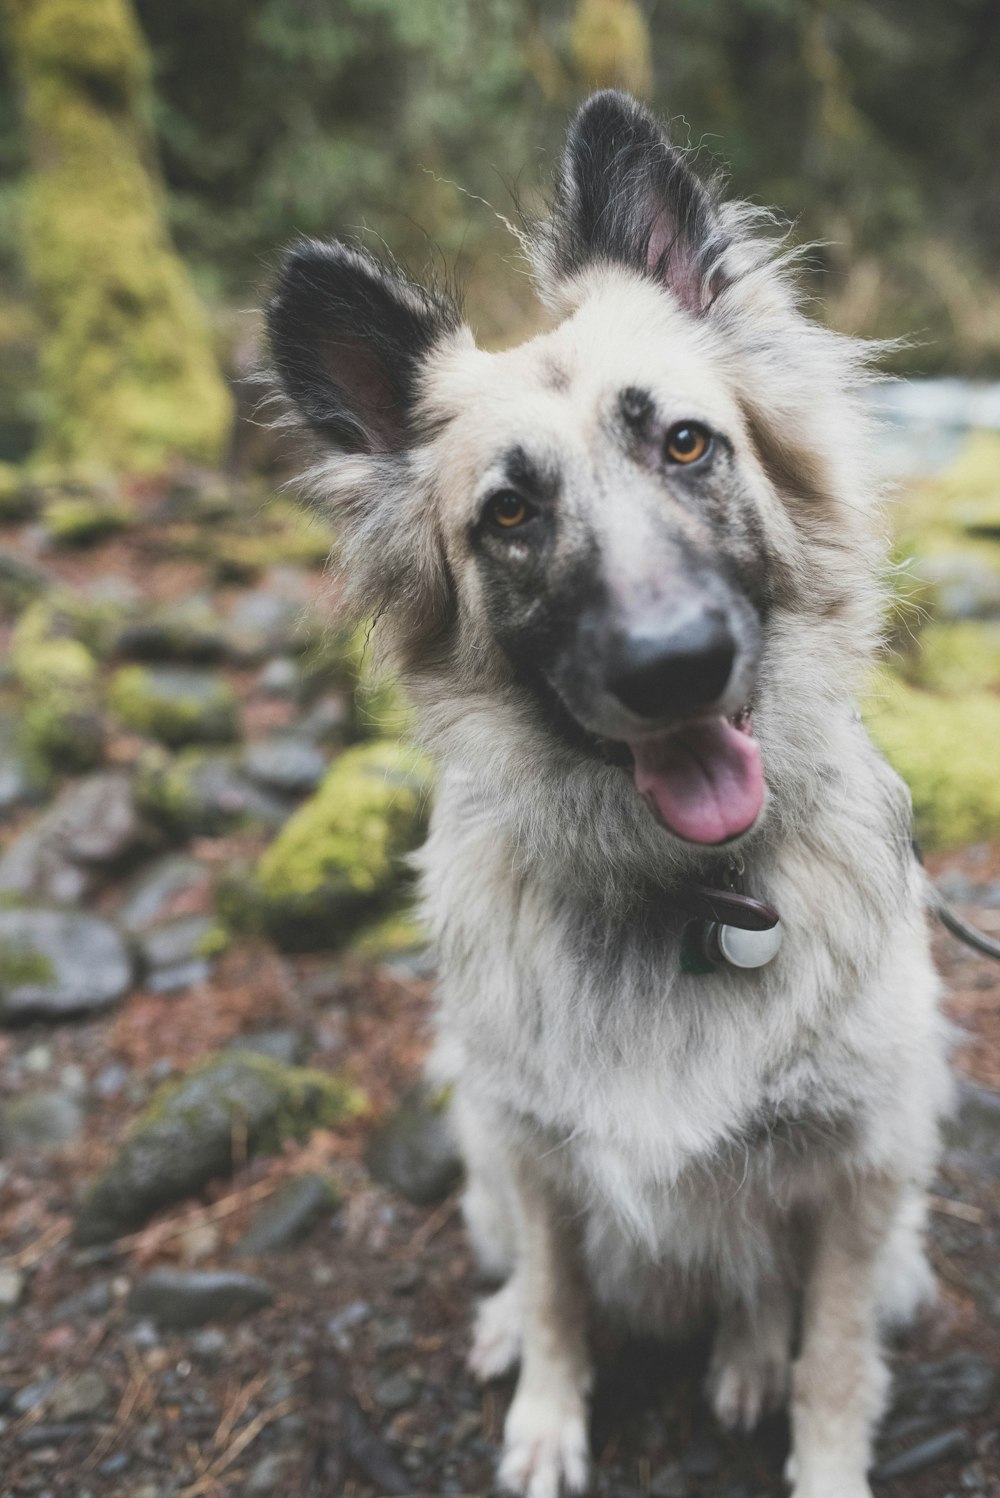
x,y
676,670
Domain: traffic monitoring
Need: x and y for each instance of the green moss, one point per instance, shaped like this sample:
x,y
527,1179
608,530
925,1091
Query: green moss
x,y
84,522
62,615
945,748
947,502
955,658
126,359
18,500
281,532
394,935
174,705
62,716
338,860
188,1133
18,966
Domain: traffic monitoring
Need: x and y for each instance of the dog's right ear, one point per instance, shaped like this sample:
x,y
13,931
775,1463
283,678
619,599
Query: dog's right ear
x,y
348,338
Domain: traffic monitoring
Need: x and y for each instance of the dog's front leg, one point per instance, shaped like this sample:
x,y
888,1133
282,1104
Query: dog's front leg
x,y
840,1380
545,1437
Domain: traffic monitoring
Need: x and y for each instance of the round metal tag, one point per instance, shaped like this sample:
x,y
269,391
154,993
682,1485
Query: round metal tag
x,y
747,948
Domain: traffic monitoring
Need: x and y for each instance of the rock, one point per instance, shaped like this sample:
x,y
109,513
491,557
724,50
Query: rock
x,y
339,1327
96,821
175,953
79,1397
950,1445
395,1392
279,678
203,793
80,520
111,1080
210,1347
972,1136
188,629
37,1060
288,1216
703,1457
152,894
954,1388
20,582
178,1299
339,859
272,1474
95,1300
328,720
175,704
55,963
962,585
52,655
281,1045
291,766
39,1121
24,777
185,1138
261,623
11,1289
30,1396
94,824
669,1482
414,1150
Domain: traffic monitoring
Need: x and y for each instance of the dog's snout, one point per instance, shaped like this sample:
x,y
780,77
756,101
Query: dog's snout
x,y
674,670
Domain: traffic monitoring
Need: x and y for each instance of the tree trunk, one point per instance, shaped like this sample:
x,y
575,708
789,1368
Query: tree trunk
x,y
129,375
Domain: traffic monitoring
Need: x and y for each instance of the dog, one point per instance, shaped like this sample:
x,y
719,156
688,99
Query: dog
x,y
629,573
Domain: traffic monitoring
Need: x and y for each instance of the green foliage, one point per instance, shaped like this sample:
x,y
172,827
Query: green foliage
x,y
945,749
84,522
126,363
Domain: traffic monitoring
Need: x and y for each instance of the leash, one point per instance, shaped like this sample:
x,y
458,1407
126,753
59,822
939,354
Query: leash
x,y
949,917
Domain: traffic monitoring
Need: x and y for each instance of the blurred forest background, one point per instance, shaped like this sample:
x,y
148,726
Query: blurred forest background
x,y
870,123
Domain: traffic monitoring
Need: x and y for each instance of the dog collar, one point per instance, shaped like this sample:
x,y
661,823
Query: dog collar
x,y
728,926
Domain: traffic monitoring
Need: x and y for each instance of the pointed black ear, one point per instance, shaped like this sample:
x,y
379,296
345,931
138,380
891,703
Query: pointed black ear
x,y
348,337
624,194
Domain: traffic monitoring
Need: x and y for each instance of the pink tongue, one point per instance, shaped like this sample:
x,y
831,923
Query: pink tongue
x,y
706,781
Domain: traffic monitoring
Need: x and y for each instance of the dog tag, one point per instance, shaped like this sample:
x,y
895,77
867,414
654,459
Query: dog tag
x,y
744,949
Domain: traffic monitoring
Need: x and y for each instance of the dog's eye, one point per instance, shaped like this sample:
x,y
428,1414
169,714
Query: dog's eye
x,y
508,510
687,442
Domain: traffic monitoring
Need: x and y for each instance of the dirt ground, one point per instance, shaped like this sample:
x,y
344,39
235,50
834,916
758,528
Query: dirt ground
x,y
353,1380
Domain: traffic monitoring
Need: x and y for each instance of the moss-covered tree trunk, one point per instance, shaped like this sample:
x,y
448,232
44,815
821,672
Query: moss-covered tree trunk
x,y
129,374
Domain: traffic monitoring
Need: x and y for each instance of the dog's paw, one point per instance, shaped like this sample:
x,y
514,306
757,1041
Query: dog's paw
x,y
833,1487
545,1450
496,1336
745,1384
824,1484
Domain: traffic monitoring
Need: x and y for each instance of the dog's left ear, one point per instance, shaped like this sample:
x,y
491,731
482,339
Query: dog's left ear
x,y
348,338
624,195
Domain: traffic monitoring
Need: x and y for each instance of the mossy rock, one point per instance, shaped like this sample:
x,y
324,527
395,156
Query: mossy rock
x,y
63,722
282,532
956,658
945,748
18,500
188,1134
175,705
64,615
338,862
202,792
84,522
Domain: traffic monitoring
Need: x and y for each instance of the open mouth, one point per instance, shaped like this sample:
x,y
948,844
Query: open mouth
x,y
704,780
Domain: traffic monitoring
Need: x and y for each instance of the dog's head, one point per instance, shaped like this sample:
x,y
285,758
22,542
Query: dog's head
x,y
609,516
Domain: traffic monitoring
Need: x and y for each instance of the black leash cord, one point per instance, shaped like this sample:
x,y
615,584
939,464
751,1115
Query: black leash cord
x,y
971,935
952,921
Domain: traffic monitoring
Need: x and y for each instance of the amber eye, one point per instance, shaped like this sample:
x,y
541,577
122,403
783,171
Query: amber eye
x,y
687,442
507,510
